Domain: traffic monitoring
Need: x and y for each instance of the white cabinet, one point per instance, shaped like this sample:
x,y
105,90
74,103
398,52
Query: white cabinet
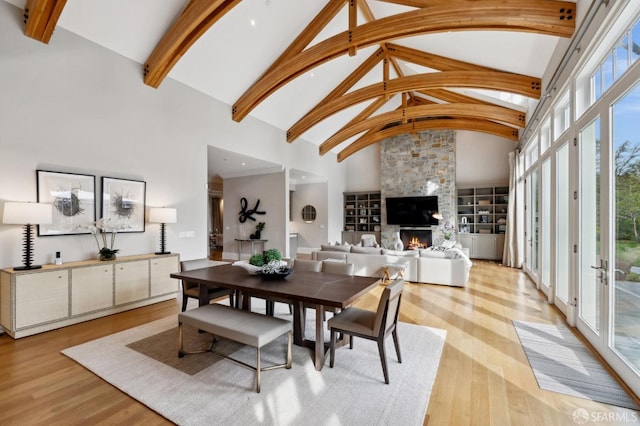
x,y
54,296
41,297
132,281
161,282
91,288
483,246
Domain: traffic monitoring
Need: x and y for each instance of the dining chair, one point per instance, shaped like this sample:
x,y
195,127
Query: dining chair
x,y
371,325
307,265
337,267
332,267
191,289
300,265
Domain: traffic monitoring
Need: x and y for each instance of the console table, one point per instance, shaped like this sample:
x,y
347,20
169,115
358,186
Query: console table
x,y
252,243
55,296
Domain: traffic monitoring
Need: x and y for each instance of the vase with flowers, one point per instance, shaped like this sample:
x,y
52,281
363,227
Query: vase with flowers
x,y
103,227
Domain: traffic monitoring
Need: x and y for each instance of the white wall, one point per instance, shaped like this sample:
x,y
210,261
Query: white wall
x,y
270,190
363,173
73,106
310,235
482,158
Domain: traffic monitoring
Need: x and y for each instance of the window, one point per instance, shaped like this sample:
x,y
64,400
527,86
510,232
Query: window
x,y
545,136
608,65
562,114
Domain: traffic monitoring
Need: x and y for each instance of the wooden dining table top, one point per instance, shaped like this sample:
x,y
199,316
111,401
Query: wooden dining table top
x,y
318,288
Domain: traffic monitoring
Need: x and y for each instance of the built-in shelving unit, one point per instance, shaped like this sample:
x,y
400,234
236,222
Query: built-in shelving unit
x,y
482,210
362,215
482,220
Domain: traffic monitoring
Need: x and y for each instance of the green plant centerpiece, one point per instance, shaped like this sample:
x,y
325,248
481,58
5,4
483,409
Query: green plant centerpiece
x,y
271,263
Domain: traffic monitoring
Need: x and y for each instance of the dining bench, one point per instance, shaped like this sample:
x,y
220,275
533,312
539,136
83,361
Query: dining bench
x,y
248,328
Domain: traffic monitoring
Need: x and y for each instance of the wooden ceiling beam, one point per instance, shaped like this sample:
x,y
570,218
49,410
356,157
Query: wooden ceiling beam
x,y
197,17
452,97
347,83
485,112
41,18
492,80
317,24
430,60
550,17
470,124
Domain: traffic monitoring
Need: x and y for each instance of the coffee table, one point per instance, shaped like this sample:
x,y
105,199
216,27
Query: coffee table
x,y
317,288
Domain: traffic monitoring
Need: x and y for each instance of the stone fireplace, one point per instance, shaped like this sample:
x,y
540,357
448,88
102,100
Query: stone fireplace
x,y
418,164
415,238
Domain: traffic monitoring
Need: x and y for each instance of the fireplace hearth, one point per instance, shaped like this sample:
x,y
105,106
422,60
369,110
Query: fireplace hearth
x,y
415,238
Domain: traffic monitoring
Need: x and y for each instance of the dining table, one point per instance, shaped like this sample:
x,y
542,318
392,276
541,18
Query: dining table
x,y
300,288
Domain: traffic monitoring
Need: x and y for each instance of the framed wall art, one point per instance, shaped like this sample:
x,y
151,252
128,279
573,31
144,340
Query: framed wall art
x,y
123,203
73,198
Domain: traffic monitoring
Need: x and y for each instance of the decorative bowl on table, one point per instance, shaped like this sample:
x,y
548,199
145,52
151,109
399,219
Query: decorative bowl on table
x,y
274,270
275,275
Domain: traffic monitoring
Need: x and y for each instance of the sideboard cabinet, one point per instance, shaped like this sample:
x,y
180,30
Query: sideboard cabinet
x,y
59,295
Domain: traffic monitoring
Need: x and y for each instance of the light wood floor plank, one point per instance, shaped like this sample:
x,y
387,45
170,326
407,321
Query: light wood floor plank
x,y
484,376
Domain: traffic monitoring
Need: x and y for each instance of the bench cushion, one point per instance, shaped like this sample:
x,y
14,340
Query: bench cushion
x,y
244,327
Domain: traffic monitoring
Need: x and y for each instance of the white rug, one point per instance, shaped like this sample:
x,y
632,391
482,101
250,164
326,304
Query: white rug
x,y
351,393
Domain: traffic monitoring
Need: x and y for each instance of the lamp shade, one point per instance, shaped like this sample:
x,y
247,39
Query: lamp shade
x,y
437,215
23,213
162,215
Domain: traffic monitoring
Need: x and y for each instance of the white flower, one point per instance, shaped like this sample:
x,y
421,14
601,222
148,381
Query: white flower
x,y
103,227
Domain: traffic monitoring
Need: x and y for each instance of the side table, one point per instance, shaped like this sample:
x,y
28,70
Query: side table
x,y
252,243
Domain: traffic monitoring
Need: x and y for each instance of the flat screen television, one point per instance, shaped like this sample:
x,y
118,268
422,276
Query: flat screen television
x,y
412,211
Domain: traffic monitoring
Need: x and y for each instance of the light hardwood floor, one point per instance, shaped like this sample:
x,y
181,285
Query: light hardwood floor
x,y
484,377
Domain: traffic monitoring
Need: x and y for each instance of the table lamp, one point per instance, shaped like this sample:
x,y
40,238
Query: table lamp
x,y
27,214
162,216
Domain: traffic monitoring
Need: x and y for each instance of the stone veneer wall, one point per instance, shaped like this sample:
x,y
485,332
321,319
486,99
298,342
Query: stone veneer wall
x,y
416,164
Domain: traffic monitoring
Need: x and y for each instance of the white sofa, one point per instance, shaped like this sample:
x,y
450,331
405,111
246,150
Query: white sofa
x,y
370,264
424,266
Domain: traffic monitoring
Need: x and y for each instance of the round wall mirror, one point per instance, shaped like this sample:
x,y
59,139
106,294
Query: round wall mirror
x,y
308,213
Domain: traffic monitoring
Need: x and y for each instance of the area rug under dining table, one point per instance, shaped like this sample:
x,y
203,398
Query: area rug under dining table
x,y
206,389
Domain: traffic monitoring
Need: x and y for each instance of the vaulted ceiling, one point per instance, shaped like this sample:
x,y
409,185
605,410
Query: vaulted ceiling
x,y
342,74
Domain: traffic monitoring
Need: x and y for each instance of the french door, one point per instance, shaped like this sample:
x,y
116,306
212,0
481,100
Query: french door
x,y
608,285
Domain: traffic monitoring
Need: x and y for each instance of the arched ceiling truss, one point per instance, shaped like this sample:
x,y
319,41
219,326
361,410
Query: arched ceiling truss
x,y
428,100
470,124
490,112
539,16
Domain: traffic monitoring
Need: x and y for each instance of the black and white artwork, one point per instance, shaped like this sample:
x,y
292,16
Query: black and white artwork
x,y
123,203
73,198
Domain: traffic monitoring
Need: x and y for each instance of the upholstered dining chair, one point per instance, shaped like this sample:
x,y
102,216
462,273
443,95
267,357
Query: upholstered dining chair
x,y
337,267
307,265
191,290
371,325
298,265
332,267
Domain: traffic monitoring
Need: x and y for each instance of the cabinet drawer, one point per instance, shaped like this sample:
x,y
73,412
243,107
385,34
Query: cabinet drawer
x,y
41,297
91,289
132,281
161,283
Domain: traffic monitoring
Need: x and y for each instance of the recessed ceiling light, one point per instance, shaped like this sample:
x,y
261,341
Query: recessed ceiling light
x,y
244,164
311,74
252,22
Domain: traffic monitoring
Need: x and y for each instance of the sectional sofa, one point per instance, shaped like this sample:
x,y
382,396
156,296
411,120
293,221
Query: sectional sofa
x,y
445,266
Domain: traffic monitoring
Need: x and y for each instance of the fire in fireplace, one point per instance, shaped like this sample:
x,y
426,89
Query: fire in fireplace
x,y
415,238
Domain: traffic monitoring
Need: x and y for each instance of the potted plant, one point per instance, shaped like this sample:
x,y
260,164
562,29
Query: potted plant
x,y
259,228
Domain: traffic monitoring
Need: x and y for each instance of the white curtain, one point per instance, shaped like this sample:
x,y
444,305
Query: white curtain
x,y
513,254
